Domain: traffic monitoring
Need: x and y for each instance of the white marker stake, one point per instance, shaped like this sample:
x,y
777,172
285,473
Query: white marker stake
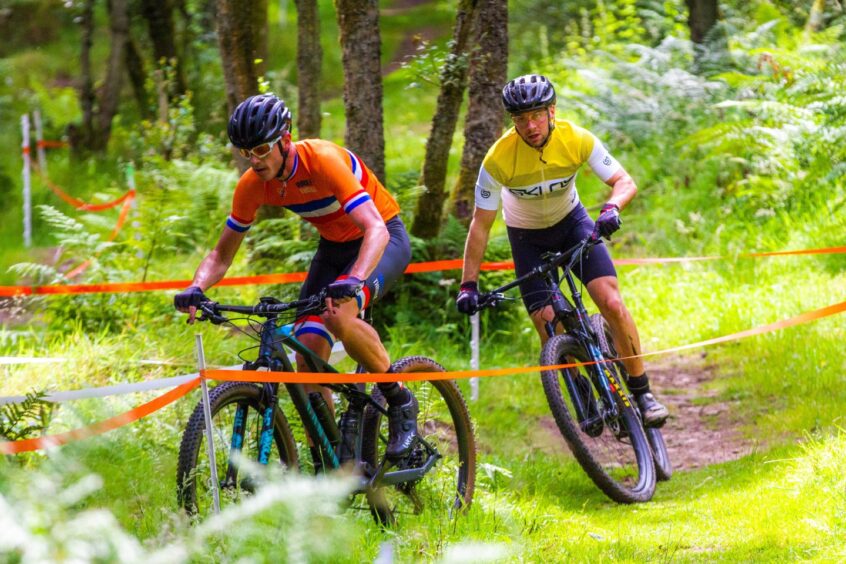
x,y
474,355
27,182
39,142
201,365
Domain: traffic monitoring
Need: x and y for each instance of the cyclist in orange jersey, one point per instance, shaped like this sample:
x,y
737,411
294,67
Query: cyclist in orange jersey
x,y
363,249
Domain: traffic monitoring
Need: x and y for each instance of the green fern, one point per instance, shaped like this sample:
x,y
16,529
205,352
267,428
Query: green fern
x,y
24,420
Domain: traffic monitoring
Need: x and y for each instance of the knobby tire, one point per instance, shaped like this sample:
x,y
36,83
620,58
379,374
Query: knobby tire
x,y
663,466
193,477
444,422
618,459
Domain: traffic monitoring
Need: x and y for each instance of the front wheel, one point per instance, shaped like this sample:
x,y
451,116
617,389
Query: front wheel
x,y
663,466
616,454
237,410
445,437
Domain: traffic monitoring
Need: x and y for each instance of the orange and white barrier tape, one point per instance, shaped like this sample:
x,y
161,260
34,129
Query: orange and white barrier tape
x,y
124,213
51,144
130,416
84,206
324,378
290,277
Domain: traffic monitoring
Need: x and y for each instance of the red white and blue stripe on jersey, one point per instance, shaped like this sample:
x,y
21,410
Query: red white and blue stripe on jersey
x,y
236,224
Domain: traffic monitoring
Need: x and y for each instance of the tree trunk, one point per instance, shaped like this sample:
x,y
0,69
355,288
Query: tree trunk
x,y
427,216
80,137
242,38
309,58
701,17
110,92
159,17
138,78
815,18
358,24
709,48
483,126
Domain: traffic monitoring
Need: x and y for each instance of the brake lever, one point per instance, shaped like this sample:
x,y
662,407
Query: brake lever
x,y
207,313
490,300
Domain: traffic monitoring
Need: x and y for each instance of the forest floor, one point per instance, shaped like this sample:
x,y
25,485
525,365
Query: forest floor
x,y
701,430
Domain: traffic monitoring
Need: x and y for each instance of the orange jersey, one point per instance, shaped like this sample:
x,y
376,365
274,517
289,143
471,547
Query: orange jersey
x,y
327,182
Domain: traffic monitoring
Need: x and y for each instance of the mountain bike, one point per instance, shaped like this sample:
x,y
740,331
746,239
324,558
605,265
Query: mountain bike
x,y
251,429
591,405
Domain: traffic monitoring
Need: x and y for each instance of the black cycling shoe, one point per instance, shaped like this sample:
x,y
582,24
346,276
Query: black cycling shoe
x,y
653,412
402,428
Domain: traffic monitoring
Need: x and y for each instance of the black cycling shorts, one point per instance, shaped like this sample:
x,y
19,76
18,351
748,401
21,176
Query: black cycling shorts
x,y
333,260
527,246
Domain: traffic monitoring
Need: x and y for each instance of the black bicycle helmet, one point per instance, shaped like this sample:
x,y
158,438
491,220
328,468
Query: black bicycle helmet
x,y
258,119
528,92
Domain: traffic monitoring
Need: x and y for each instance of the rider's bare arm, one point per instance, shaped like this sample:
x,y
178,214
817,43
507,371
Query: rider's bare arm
x,y
215,265
477,242
376,237
623,188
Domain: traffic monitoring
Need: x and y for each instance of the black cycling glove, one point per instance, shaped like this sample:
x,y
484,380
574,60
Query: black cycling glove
x,y
191,296
608,221
344,288
467,301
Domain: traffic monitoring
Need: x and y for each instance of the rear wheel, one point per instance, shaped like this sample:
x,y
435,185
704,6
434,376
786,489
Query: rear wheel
x,y
663,466
229,402
616,455
445,437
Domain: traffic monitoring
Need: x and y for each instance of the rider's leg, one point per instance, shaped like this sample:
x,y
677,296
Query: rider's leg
x,y
320,345
362,343
540,318
605,293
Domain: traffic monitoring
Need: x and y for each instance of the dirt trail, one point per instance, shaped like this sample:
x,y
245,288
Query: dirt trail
x,y
700,431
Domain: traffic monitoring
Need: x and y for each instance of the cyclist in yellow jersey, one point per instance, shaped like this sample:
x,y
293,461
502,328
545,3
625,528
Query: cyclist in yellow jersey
x,y
532,170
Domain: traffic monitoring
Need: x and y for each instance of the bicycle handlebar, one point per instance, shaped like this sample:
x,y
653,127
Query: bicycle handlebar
x,y
267,307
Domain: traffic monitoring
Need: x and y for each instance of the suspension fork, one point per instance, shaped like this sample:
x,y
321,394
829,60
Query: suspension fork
x,y
270,391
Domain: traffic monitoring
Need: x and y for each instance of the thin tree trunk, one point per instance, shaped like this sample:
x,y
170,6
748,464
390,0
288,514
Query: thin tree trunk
x,y
138,78
358,24
427,217
309,59
701,17
242,38
708,48
483,126
159,17
80,137
110,93
815,18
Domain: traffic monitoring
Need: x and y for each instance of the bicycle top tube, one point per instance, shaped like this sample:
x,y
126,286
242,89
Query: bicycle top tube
x,y
551,263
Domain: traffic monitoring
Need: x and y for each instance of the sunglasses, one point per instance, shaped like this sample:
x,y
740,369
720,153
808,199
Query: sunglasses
x,y
522,120
260,151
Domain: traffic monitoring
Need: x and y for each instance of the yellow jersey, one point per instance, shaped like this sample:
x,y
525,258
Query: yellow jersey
x,y
538,186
